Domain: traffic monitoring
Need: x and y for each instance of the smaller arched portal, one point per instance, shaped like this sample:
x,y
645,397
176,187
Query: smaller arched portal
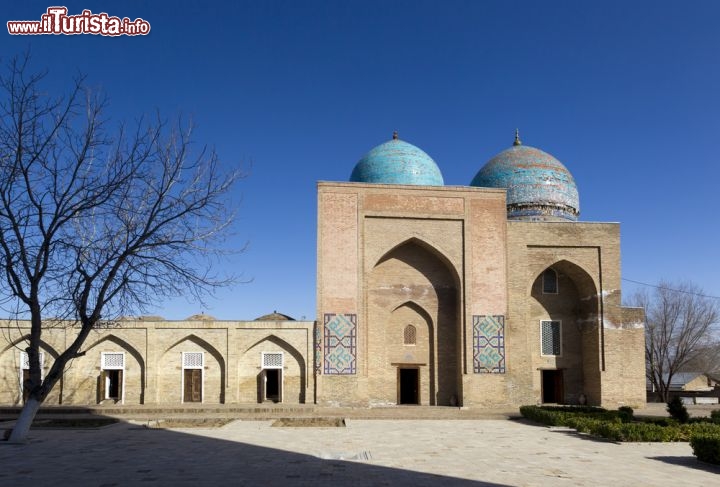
x,y
202,372
566,323
411,345
13,357
111,370
272,370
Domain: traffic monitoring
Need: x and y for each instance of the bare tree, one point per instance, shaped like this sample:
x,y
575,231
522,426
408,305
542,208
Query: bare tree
x,y
680,322
706,361
97,222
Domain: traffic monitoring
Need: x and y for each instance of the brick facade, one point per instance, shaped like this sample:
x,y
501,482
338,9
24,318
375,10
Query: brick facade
x,y
444,261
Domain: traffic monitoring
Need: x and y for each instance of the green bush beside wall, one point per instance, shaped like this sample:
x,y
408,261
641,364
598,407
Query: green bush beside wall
x,y
706,447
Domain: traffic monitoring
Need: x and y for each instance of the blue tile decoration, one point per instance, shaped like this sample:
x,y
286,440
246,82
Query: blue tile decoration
x,y
397,162
340,343
539,187
317,346
489,344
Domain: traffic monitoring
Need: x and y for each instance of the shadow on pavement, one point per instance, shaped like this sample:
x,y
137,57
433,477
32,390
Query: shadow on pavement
x,y
689,462
128,454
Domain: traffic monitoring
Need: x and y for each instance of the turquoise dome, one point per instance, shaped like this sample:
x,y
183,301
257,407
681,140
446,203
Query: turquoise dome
x,y
538,186
397,162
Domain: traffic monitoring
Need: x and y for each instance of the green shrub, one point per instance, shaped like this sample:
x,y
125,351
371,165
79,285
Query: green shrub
x,y
614,425
660,421
626,414
706,447
678,410
715,415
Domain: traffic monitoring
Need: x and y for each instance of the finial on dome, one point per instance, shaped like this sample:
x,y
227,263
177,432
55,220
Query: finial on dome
x,y
395,135
517,137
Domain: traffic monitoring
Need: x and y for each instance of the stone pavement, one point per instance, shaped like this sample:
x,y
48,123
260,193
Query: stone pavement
x,y
366,452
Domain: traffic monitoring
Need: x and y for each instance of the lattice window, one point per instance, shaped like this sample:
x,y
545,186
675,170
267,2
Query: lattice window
x,y
272,360
113,361
550,337
193,360
410,335
25,360
550,281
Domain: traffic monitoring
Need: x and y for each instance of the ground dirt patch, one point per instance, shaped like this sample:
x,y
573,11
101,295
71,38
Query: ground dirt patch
x,y
186,423
309,422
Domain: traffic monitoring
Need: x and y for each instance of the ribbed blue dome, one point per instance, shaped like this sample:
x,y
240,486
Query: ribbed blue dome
x,y
397,162
538,186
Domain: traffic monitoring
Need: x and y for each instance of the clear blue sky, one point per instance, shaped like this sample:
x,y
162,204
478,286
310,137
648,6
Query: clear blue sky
x,y
625,94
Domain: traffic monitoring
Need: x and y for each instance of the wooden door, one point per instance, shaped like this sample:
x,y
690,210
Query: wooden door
x,y
102,383
193,385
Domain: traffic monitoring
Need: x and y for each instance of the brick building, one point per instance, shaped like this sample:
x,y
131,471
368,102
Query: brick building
x,y
485,295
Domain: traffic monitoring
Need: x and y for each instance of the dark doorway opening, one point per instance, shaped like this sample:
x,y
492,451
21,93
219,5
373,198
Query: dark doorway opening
x,y
193,385
114,384
273,384
552,387
409,380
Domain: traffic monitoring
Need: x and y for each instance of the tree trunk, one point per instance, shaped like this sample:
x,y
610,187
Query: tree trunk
x,y
35,399
22,425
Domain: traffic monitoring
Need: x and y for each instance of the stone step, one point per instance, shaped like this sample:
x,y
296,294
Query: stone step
x,y
263,412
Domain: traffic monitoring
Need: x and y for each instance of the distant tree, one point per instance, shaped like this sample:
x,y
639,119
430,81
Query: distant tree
x,y
706,361
97,222
680,324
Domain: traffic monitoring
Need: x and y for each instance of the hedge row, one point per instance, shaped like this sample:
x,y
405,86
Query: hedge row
x,y
618,426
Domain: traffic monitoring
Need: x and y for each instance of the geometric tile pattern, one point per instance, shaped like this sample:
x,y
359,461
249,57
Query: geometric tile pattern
x,y
340,343
318,348
489,344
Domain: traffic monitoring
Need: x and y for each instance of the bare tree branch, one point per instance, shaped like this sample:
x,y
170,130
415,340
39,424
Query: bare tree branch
x,y
96,223
680,325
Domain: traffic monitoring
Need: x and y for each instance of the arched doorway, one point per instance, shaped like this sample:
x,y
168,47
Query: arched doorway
x,y
413,284
201,376
272,370
14,362
564,318
118,369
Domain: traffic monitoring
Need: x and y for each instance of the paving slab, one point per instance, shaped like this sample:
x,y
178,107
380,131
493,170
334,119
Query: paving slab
x,y
365,452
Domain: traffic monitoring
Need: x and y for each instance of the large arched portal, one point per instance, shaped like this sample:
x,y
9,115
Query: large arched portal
x,y
565,315
413,292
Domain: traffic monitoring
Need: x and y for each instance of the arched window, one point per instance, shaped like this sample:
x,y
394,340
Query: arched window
x,y
409,335
550,281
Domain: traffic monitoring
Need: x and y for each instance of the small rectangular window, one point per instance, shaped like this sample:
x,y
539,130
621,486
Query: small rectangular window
x,y
550,282
550,337
409,335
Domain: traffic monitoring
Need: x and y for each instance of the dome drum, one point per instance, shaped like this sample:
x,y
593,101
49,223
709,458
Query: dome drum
x,y
540,212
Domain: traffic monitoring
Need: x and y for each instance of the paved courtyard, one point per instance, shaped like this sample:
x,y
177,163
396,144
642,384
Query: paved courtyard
x,y
365,452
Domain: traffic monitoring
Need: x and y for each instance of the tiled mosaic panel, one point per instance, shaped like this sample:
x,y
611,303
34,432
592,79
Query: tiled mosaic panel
x,y
318,348
340,343
489,344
